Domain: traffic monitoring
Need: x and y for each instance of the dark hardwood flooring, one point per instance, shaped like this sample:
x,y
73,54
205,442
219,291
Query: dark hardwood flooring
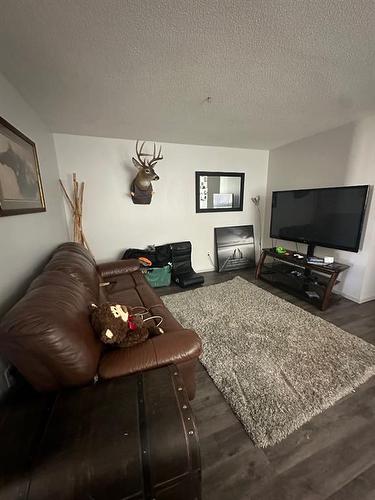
x,y
331,457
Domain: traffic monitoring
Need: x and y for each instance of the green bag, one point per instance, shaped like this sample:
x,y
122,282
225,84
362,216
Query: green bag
x,y
159,276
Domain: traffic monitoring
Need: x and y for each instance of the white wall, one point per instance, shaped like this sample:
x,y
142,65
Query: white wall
x,y
113,223
363,161
338,157
27,240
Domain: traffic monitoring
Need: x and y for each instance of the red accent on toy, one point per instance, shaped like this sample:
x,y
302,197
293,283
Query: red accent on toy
x,y
131,324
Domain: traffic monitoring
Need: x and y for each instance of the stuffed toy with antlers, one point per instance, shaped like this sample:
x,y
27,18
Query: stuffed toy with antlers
x,y
141,187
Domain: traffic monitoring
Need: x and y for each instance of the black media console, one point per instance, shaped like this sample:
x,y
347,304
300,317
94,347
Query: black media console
x,y
312,282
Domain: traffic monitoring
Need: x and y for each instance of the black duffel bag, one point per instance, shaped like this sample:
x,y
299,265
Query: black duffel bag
x,y
135,253
159,255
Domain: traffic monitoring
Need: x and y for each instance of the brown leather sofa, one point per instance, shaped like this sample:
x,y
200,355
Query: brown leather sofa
x,y
48,337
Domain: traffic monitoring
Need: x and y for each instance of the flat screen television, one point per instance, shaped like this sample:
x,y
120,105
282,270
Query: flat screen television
x,y
328,217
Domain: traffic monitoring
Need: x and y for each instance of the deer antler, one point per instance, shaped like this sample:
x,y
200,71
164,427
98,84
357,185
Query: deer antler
x,y
141,156
154,157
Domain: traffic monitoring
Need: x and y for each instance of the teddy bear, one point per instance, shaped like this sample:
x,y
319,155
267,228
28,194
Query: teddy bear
x,y
122,326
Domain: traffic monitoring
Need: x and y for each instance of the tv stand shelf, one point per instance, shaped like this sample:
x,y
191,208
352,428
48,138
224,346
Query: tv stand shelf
x,y
311,282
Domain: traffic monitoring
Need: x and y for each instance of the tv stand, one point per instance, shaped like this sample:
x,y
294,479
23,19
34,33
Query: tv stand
x,y
312,282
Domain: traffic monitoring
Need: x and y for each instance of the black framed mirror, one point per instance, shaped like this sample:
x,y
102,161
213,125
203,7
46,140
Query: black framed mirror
x,y
219,191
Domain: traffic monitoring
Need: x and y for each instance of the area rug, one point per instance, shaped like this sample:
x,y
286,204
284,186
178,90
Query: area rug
x,y
276,364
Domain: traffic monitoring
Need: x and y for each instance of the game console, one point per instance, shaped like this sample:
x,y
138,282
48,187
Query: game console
x,y
329,260
321,261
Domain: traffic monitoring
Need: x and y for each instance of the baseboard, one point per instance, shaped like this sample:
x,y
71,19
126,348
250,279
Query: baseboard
x,y
367,299
206,270
355,299
348,296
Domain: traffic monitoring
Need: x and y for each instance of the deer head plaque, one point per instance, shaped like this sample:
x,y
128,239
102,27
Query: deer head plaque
x,y
141,187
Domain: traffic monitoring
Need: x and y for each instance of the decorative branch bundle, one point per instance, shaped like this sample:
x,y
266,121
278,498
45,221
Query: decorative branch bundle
x,y
76,204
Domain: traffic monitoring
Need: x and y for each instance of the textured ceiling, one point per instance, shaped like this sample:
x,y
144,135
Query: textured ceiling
x,y
276,70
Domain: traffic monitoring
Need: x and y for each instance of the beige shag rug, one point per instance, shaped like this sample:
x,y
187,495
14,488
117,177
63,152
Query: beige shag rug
x,y
276,364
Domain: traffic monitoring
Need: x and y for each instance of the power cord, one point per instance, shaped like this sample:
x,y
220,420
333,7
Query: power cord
x,y
212,262
147,311
256,201
159,318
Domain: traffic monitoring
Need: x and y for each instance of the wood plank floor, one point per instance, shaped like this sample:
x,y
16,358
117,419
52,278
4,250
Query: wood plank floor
x,y
331,457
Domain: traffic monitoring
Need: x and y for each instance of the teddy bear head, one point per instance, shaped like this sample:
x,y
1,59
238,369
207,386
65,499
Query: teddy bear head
x,y
110,322
114,324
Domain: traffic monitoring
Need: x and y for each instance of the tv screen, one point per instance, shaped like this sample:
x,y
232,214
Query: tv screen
x,y
328,217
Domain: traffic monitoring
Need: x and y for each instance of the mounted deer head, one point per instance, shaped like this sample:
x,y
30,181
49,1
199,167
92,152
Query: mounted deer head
x,y
141,188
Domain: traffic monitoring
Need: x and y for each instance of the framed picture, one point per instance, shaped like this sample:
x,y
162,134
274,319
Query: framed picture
x,y
21,190
219,191
235,248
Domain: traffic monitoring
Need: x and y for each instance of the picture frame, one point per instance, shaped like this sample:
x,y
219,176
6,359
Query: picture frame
x,y
21,189
235,247
219,191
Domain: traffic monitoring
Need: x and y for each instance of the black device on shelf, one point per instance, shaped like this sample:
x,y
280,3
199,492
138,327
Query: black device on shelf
x,y
328,217
311,282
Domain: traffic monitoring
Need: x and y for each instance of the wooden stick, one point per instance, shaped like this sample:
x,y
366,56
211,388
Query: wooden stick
x,y
76,205
66,194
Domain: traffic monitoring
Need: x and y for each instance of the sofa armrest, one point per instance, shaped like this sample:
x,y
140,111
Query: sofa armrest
x,y
118,267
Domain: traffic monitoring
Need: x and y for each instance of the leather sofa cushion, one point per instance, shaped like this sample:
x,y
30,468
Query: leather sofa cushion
x,y
140,294
115,287
148,295
132,290
128,297
139,278
169,322
47,334
172,347
77,249
119,283
78,266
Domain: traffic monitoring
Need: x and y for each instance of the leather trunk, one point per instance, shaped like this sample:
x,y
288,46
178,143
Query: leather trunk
x,y
131,437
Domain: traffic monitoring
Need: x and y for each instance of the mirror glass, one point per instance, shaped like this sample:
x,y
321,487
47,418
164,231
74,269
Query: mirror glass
x,y
219,192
